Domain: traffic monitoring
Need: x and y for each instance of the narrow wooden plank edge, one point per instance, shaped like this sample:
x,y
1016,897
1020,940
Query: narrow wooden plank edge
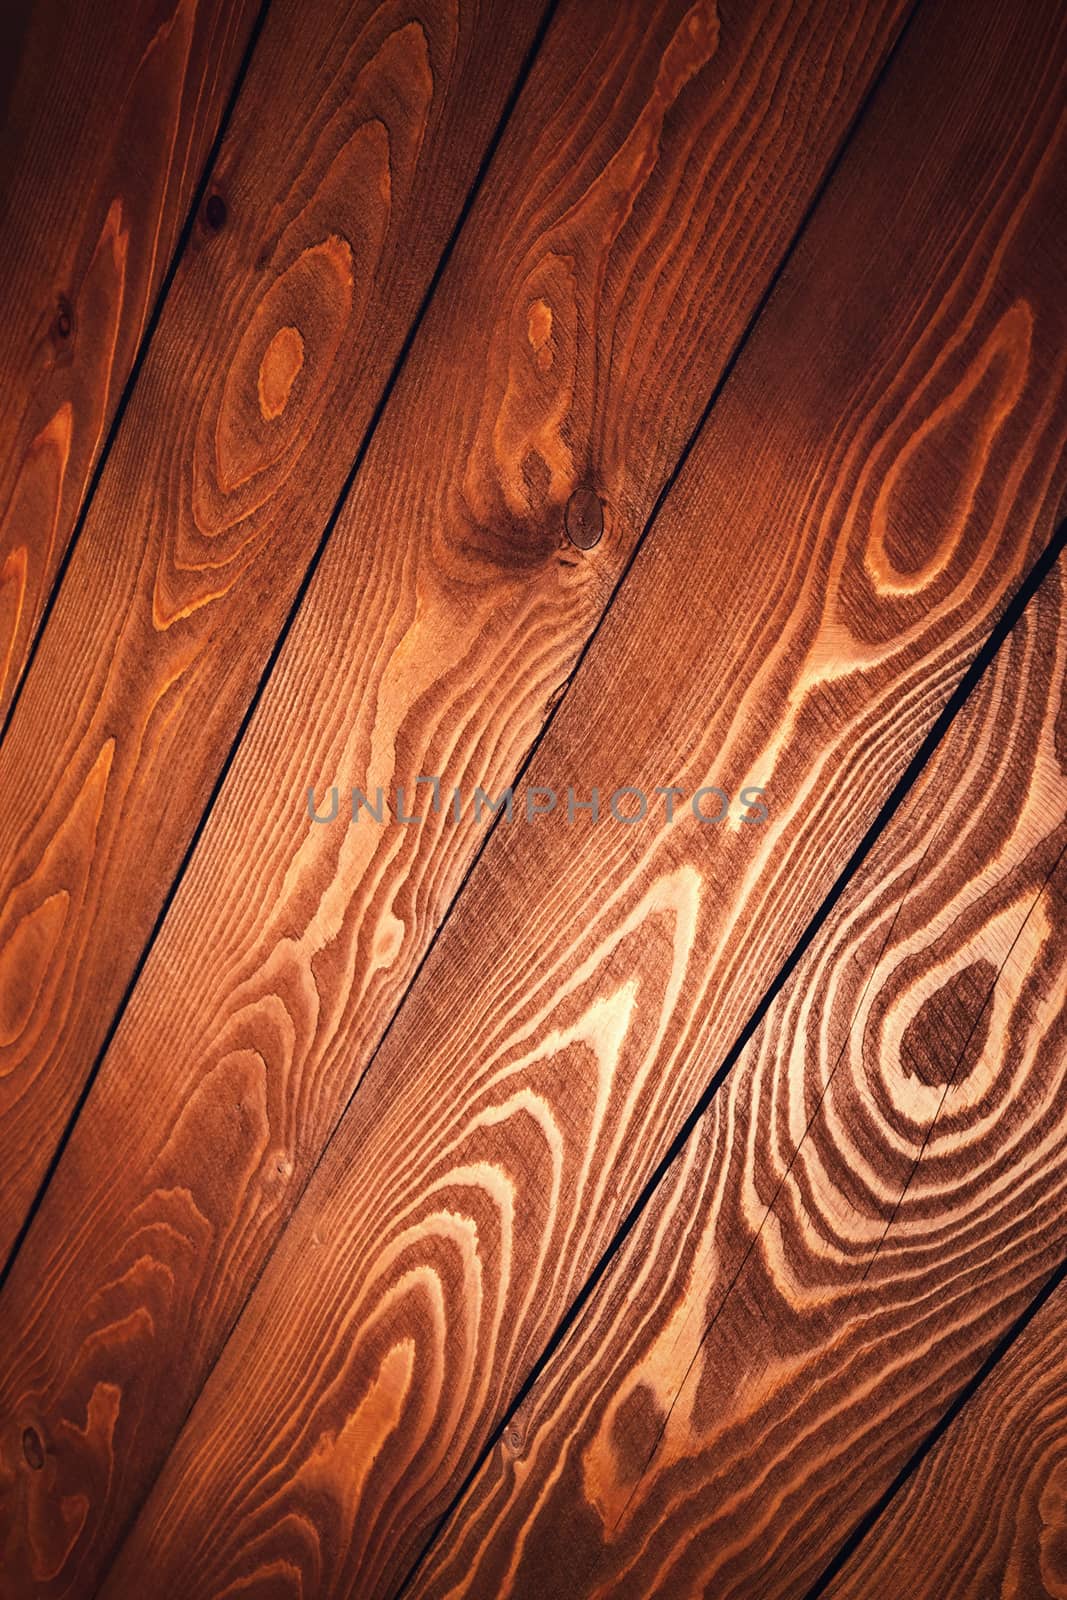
x,y
866,1524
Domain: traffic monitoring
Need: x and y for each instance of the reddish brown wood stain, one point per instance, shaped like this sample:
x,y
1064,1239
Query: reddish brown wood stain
x,y
111,116
563,1206
210,509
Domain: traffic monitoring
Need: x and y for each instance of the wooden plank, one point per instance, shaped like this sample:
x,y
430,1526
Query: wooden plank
x,y
110,115
647,185
283,323
878,472
984,1513
864,1209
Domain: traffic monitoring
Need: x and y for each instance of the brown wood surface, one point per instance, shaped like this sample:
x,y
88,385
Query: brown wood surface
x,y
985,1515
874,1195
109,113
314,248
877,475
647,185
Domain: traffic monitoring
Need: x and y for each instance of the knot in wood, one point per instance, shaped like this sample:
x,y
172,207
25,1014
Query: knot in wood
x,y
584,519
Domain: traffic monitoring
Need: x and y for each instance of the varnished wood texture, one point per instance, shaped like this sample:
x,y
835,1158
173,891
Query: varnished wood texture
x,y
590,979
648,393
108,121
597,290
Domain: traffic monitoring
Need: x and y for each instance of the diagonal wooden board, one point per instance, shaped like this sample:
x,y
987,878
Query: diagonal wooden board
x,y
866,1205
644,191
288,311
984,1513
880,470
108,123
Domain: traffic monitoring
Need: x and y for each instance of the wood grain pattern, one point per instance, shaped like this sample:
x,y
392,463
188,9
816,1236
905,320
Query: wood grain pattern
x,y
645,189
278,335
108,122
985,1515
868,1203
890,447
